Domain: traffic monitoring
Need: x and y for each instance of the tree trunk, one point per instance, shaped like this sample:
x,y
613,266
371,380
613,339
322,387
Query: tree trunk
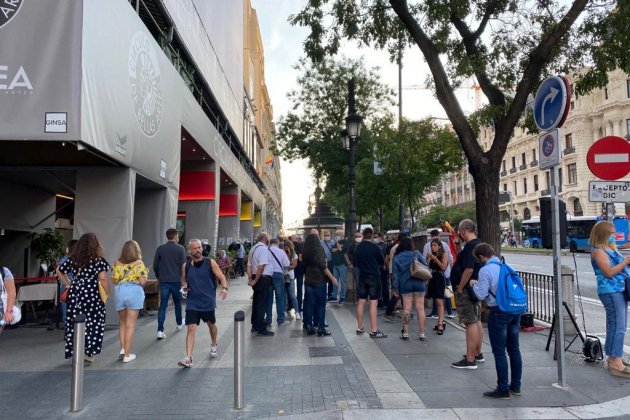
x,y
379,214
486,179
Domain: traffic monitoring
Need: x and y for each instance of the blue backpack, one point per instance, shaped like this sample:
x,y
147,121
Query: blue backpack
x,y
511,295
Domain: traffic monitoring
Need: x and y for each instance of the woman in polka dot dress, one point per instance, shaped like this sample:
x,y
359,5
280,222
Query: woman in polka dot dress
x,y
88,267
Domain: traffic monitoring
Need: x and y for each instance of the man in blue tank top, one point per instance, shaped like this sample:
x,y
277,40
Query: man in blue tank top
x,y
200,279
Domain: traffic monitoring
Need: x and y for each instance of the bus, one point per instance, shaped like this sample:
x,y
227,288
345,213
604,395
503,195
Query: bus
x,y
578,231
530,233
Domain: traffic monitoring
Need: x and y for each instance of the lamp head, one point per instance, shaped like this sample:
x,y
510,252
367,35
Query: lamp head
x,y
345,139
353,125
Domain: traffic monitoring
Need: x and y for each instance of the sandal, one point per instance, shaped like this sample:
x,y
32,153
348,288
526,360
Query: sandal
x,y
360,331
440,331
378,334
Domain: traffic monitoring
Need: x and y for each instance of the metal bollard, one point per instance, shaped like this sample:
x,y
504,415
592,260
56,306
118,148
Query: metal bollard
x,y
78,349
239,360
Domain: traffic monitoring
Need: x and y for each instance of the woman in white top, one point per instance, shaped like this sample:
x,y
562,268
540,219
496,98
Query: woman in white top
x,y
290,286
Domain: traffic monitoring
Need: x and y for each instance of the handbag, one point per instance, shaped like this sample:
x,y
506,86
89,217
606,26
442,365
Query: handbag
x,y
448,292
419,271
63,297
102,293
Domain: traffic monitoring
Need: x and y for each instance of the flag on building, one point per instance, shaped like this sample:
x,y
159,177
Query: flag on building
x,y
446,226
269,162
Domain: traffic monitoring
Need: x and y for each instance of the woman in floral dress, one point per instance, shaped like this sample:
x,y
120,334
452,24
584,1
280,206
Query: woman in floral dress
x,y
88,268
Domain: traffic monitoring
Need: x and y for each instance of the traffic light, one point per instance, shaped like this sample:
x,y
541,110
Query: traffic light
x,y
546,221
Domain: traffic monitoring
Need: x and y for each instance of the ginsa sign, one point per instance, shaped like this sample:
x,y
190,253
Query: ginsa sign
x,y
17,80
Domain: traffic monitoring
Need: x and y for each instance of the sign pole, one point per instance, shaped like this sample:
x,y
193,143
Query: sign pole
x,y
555,232
610,212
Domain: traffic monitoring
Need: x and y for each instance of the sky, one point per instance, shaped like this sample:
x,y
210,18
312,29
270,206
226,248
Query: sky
x,y
282,45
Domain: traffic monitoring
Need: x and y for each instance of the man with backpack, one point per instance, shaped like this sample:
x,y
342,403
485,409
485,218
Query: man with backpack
x,y
200,276
503,291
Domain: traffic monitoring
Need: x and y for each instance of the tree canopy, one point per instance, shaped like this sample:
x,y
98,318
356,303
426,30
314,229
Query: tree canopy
x,y
507,46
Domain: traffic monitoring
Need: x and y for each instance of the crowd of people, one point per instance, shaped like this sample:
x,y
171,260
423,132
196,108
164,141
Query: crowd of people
x,y
301,277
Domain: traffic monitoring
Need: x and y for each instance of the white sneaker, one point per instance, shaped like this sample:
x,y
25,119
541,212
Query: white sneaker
x,y
179,327
298,316
214,351
292,313
161,335
453,315
122,353
129,358
186,362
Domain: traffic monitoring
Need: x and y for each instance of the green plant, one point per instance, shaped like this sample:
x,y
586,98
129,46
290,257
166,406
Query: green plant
x,y
48,246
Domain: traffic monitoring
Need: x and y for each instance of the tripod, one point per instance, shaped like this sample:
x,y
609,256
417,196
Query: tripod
x,y
553,327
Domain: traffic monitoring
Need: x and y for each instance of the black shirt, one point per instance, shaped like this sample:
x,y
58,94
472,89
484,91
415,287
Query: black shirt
x,y
466,259
369,259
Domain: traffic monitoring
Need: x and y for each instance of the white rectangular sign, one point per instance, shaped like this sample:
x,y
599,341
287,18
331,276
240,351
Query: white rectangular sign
x,y
549,149
56,122
609,191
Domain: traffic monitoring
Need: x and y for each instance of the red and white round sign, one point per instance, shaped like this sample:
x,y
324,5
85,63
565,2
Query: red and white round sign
x,y
609,158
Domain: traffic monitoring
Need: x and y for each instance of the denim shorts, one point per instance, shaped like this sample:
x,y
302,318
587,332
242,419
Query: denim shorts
x,y
412,287
129,296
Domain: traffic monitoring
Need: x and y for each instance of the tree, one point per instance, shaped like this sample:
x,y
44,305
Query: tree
x,y
452,214
311,129
415,157
507,46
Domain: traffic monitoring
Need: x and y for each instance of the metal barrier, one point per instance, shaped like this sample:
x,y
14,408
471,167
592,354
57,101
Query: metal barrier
x,y
239,360
540,295
78,350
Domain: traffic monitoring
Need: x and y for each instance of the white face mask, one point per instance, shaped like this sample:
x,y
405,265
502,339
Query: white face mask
x,y
337,238
357,240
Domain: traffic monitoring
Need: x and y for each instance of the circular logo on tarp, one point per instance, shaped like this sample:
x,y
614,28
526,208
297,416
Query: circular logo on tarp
x,y
8,10
146,86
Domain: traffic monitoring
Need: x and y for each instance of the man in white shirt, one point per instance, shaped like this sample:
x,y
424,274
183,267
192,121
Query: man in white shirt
x,y
259,272
279,262
240,256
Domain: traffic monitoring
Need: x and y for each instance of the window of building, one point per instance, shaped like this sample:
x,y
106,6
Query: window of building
x,y
503,163
504,187
533,155
572,170
548,180
577,208
628,88
527,214
572,105
515,192
628,128
559,180
535,182
513,162
606,92
568,140
523,158
524,185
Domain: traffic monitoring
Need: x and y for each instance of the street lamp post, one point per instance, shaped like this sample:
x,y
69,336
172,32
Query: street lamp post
x,y
349,136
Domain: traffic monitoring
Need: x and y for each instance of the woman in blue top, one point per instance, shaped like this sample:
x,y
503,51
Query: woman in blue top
x,y
611,269
408,287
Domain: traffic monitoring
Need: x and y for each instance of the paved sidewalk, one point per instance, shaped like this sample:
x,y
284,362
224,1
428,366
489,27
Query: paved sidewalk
x,y
292,375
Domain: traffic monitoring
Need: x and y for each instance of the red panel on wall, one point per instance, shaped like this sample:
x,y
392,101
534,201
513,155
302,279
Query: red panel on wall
x,y
228,205
196,185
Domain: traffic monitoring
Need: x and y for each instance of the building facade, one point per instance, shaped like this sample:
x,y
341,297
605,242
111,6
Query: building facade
x,y
603,112
127,117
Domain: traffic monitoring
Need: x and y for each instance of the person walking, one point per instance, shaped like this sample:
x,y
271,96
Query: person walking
x,y
611,271
62,287
328,244
240,258
7,302
409,288
468,306
391,314
447,273
315,268
200,279
88,269
259,271
279,263
503,327
438,261
369,259
299,271
167,265
129,276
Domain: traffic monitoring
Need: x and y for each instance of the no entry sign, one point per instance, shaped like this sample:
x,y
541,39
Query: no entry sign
x,y
609,158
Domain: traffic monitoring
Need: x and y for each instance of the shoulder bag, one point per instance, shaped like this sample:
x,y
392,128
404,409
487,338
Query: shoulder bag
x,y
419,271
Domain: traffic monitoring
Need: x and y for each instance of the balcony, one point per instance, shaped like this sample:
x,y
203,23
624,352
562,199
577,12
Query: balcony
x,y
513,170
533,164
503,173
569,150
544,193
523,167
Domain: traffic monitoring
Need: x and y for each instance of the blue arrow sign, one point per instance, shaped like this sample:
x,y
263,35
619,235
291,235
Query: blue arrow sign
x,y
550,103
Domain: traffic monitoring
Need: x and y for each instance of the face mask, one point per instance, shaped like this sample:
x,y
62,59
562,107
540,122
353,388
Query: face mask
x,y
357,240
375,241
611,238
337,238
